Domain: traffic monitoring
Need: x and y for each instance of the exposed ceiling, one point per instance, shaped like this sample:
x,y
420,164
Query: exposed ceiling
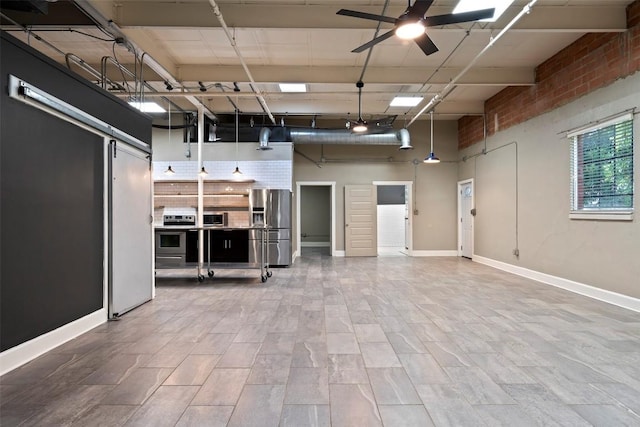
x,y
305,41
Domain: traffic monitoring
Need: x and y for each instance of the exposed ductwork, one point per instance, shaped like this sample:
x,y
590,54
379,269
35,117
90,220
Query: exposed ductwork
x,y
341,136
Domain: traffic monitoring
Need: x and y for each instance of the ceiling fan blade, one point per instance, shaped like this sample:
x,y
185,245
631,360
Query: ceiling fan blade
x,y
374,41
420,7
455,18
426,44
363,15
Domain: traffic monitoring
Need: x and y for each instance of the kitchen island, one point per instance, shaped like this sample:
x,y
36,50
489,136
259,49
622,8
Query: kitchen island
x,y
178,246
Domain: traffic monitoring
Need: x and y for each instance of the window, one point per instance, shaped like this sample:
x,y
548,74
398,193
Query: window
x,y
602,170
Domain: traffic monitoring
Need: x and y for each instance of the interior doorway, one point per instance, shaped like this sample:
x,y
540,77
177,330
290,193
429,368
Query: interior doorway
x,y
395,222
315,216
465,218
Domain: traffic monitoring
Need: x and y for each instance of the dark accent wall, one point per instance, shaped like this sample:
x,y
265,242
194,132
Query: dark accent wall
x,y
52,187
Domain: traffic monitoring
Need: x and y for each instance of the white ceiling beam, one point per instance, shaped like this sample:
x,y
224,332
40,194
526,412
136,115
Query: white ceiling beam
x,y
601,18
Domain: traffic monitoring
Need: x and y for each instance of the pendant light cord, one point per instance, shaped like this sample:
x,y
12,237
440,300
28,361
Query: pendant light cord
x,y
236,136
431,117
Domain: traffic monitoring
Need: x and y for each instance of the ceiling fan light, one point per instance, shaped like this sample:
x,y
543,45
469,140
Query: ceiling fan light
x,y
410,30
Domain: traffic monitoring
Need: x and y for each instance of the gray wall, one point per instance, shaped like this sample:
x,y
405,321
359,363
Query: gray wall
x,y
434,185
603,254
315,219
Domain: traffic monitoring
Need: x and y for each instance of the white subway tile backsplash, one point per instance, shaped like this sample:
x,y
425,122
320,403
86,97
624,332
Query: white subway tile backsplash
x,y
266,173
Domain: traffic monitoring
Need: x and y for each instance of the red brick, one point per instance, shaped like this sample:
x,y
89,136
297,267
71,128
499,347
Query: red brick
x,y
591,62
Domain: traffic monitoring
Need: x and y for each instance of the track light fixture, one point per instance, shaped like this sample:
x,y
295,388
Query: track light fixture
x,y
361,125
168,86
203,88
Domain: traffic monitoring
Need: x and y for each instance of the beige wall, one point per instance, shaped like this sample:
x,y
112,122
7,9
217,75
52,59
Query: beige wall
x,y
434,185
603,254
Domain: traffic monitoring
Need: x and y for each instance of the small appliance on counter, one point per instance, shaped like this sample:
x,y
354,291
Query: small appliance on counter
x,y
179,216
215,218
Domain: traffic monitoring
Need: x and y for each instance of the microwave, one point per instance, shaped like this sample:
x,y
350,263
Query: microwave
x,y
215,218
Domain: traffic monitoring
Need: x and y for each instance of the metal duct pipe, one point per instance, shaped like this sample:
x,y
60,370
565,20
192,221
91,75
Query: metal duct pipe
x,y
343,136
265,133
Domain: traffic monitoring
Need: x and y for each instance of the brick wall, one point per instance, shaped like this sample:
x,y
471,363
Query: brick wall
x,y
591,62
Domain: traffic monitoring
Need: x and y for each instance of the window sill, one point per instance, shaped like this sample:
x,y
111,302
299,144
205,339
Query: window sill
x,y
602,216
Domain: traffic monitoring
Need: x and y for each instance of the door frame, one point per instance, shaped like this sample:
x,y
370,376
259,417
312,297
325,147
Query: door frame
x,y
459,219
408,184
332,197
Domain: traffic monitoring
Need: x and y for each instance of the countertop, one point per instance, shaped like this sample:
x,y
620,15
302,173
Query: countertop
x,y
206,227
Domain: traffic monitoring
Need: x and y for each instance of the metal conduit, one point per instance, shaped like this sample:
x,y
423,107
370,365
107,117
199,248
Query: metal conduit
x,y
450,86
232,40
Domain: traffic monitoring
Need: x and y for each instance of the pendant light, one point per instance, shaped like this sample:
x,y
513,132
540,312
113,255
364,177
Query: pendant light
x,y
431,158
361,125
236,172
203,172
169,171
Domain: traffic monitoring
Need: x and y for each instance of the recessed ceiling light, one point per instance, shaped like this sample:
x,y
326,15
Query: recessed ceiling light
x,y
499,5
292,87
405,101
147,107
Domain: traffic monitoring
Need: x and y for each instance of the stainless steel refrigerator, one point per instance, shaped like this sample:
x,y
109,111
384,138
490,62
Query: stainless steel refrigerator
x,y
273,208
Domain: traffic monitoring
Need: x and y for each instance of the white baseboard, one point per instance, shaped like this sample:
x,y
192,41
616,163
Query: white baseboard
x,y
433,253
27,351
315,244
614,298
338,253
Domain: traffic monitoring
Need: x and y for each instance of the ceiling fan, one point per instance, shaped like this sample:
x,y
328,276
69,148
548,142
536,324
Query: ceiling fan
x,y
412,24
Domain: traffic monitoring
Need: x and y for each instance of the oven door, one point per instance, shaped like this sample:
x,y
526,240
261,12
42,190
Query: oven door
x,y
171,242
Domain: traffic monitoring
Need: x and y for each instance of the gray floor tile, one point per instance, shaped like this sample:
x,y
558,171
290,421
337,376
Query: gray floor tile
x,y
223,387
194,370
392,386
258,406
379,355
305,415
164,408
308,386
405,416
353,405
137,387
270,369
205,416
347,369
239,355
370,333
476,345
342,343
607,415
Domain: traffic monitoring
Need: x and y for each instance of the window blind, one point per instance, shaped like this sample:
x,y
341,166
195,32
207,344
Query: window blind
x,y
602,167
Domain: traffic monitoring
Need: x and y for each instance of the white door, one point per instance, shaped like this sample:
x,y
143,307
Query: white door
x,y
131,263
466,219
407,212
360,228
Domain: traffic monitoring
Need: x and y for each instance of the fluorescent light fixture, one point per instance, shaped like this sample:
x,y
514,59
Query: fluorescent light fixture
x,y
147,107
499,5
292,87
406,101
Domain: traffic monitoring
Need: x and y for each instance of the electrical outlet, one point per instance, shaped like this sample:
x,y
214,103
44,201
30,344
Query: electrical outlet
x,y
516,252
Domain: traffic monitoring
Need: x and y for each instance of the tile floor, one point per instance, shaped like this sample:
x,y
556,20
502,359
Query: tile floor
x,y
388,341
